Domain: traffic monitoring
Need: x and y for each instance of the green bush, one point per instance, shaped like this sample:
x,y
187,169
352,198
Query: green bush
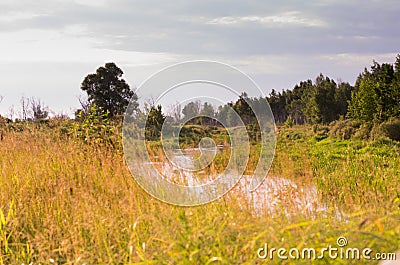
x,y
293,135
364,132
391,129
343,129
96,128
376,132
320,132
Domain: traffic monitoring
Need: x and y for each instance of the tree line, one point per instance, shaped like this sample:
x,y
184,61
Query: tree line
x,y
375,97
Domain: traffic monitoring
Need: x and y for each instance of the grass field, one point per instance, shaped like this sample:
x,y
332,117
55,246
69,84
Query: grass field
x,y
63,201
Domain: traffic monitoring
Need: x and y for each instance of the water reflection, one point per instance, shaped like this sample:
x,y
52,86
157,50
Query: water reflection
x,y
274,196
277,194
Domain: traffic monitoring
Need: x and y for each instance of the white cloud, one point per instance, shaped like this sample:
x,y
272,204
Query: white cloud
x,y
292,18
53,46
359,59
279,42
92,3
17,15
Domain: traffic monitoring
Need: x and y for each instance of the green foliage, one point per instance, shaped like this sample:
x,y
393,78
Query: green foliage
x,y
354,172
191,110
344,129
227,115
208,113
97,128
364,132
108,91
277,102
322,102
195,113
191,135
207,110
292,134
289,122
154,123
63,204
296,102
320,132
244,109
377,95
363,103
391,129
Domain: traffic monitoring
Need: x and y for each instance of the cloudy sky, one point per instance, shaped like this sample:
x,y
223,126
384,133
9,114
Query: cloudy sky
x,y
47,47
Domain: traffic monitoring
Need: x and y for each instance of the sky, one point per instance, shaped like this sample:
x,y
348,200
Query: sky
x,y
47,47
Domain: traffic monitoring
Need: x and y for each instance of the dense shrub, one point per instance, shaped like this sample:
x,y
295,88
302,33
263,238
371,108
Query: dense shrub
x,y
293,135
97,129
391,129
376,132
344,129
364,132
320,132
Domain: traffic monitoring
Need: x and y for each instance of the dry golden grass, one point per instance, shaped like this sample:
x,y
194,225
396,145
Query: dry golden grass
x,y
66,202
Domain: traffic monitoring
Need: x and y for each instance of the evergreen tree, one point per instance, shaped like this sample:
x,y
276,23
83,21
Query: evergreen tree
x,y
108,91
154,123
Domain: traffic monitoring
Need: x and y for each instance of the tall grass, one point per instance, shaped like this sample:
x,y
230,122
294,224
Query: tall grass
x,y
63,201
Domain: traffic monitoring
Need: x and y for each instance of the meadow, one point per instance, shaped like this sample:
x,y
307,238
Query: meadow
x,y
67,200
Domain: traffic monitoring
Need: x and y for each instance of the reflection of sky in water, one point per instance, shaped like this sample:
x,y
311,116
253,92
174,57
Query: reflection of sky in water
x,y
275,195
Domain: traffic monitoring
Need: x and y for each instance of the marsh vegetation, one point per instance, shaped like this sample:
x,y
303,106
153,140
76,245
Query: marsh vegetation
x,y
70,200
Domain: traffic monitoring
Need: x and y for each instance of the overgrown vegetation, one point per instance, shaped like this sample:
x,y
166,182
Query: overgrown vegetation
x,y
68,200
67,196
